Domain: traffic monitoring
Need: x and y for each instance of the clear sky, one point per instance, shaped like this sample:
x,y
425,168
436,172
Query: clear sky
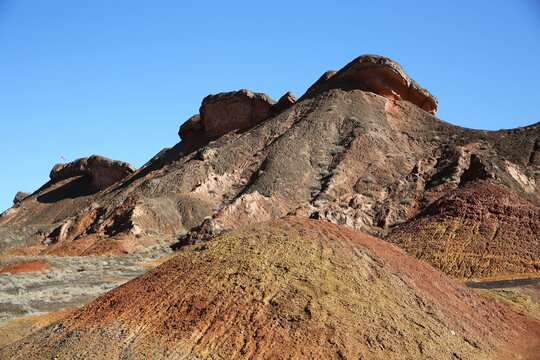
x,y
117,78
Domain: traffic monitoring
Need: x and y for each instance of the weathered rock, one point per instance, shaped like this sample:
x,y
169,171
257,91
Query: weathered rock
x,y
20,196
344,154
384,77
482,230
229,111
103,171
192,125
74,168
106,172
285,102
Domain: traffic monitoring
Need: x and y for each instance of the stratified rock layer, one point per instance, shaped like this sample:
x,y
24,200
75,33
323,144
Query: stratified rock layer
x,y
381,76
479,231
387,78
289,289
103,171
224,112
106,172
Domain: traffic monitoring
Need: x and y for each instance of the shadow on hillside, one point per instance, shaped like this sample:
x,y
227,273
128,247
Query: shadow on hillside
x,y
79,186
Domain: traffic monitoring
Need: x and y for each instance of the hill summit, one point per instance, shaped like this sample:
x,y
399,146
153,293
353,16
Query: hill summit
x,y
361,148
282,213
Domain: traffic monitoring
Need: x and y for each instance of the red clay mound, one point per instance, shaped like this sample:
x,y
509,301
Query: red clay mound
x,y
481,230
29,266
287,289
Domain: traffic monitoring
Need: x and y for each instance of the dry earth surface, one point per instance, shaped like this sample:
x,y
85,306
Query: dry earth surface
x,y
65,283
288,289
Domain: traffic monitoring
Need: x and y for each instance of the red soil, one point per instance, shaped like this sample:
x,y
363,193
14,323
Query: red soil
x,y
482,230
292,288
28,266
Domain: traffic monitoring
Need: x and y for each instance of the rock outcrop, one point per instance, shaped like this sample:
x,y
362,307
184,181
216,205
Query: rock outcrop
x,y
106,172
285,102
192,125
341,153
234,111
360,149
288,289
103,171
75,168
381,76
20,196
229,111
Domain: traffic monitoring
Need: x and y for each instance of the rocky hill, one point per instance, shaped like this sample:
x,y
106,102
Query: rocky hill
x,y
480,230
293,288
361,148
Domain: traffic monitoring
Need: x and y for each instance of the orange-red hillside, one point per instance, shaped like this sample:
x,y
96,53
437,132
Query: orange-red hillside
x,y
481,230
301,289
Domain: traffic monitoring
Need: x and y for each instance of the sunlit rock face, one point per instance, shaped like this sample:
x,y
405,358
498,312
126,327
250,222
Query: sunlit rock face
x,y
224,112
381,76
103,171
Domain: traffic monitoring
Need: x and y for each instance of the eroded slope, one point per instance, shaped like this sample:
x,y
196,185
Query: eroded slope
x,y
288,289
482,230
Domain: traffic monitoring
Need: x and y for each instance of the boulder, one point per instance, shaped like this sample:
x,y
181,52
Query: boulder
x,y
235,110
387,78
20,196
285,102
74,168
103,171
379,75
192,125
106,172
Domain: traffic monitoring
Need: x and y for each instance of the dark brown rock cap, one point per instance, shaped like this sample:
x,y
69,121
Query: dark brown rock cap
x,y
234,110
192,125
106,172
20,196
381,76
103,171
285,102
74,168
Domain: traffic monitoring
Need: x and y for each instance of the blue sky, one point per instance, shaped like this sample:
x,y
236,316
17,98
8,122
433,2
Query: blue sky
x,y
117,78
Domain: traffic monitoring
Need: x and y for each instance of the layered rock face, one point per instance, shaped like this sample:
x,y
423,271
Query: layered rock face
x,y
106,172
231,111
387,78
480,230
224,112
381,76
288,289
361,149
20,196
103,171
